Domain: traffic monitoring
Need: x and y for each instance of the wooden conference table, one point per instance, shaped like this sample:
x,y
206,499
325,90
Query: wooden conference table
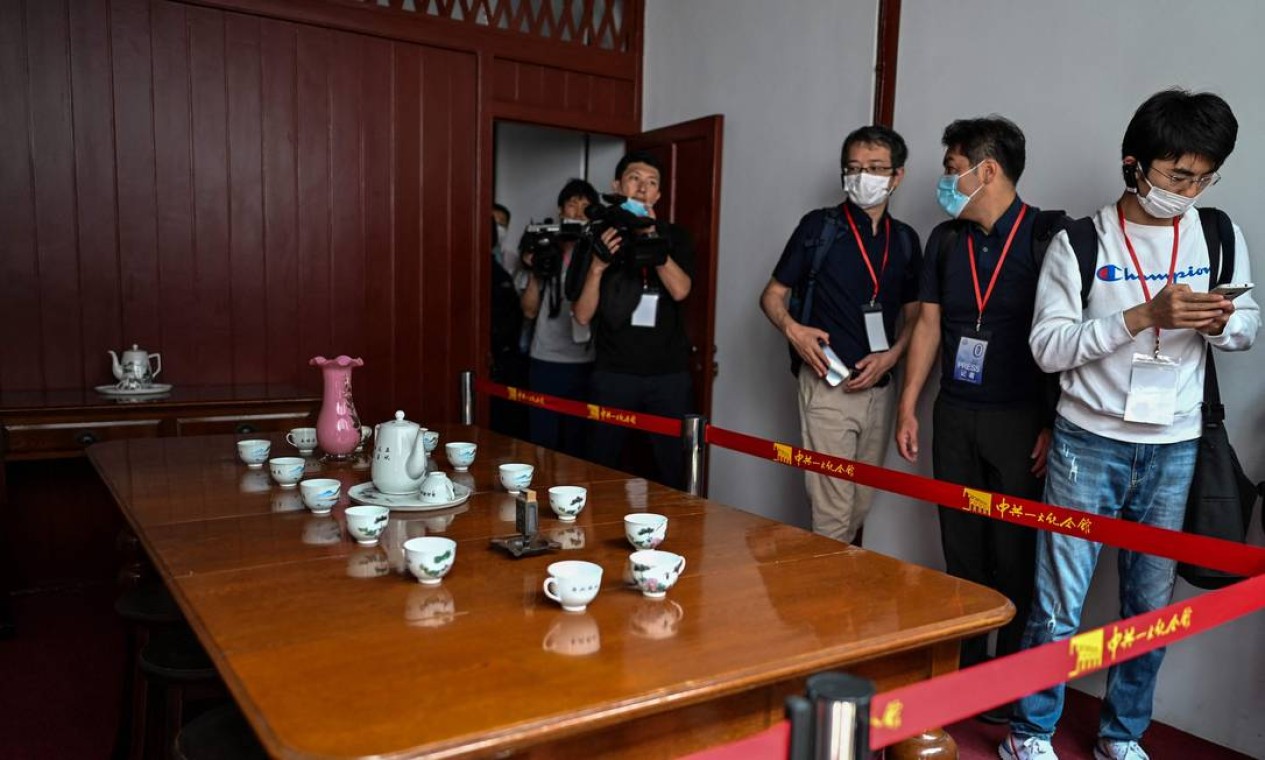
x,y
333,651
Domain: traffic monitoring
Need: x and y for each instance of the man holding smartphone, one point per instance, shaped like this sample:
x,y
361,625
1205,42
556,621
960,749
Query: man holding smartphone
x,y
1131,353
861,268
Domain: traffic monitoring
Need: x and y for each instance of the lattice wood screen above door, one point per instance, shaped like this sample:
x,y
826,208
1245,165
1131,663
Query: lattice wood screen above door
x,y
590,23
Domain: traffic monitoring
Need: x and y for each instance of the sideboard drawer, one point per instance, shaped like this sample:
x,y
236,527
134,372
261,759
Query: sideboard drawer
x,y
51,438
243,424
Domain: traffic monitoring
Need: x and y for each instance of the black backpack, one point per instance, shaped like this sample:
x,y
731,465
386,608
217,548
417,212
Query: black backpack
x,y
800,304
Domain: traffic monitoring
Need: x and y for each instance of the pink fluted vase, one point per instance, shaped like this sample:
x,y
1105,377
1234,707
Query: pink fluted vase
x,y
338,425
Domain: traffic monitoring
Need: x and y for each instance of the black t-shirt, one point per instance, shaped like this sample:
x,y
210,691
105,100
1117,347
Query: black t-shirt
x,y
844,284
1011,376
659,350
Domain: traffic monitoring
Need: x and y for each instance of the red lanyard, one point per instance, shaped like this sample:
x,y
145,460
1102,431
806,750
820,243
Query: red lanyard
x,y
887,244
982,301
1137,265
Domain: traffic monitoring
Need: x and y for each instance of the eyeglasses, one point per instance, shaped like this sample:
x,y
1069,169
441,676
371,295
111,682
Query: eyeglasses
x,y
1180,182
878,171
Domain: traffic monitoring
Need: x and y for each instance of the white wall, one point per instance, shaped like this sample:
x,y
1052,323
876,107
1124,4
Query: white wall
x,y
793,78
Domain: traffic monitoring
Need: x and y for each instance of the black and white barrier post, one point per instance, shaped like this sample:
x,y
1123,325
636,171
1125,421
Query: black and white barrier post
x,y
467,398
833,721
694,449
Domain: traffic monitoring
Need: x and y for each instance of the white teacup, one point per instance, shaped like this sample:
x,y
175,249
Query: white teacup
x,y
656,571
320,494
368,563
366,523
286,471
573,584
430,557
573,635
365,433
436,488
303,439
460,454
254,452
430,440
515,477
567,501
645,530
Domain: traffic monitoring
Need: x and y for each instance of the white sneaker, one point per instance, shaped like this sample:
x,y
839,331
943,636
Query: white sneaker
x,y
1029,748
1110,750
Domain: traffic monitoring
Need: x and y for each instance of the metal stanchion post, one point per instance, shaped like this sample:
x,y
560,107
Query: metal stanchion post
x,y
833,722
467,398
694,449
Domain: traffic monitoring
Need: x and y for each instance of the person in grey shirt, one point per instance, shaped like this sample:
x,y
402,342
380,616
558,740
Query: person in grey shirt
x,y
561,352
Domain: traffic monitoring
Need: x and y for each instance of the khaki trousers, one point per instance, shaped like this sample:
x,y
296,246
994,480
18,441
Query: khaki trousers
x,y
855,426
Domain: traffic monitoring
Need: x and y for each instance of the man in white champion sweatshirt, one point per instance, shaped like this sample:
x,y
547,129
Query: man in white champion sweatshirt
x,y
1132,364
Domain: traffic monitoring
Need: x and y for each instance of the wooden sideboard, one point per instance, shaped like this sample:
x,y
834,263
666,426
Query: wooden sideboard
x,y
57,524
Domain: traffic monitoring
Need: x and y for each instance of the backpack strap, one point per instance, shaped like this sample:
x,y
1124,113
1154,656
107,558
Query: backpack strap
x,y
825,239
1219,235
1083,237
948,243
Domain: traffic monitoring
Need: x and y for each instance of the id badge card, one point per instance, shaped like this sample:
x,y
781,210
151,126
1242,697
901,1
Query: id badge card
x,y
647,309
1152,390
968,366
875,330
580,333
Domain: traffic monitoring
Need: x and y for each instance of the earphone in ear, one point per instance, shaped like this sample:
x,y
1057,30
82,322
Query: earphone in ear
x,y
1129,170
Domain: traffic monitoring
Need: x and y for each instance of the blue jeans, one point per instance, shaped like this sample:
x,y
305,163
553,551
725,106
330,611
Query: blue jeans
x,y
1143,483
550,429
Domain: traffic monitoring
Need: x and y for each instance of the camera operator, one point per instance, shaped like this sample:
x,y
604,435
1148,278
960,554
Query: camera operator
x,y
632,294
561,351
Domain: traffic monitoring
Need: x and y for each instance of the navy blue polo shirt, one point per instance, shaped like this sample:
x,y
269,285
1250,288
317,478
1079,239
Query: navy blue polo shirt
x,y
844,284
1011,376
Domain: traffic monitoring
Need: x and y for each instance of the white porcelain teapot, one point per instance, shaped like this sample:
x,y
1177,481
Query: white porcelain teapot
x,y
399,456
137,367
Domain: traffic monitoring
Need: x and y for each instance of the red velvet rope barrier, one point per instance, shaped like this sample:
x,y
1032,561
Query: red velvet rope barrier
x,y
908,711
636,420
1203,551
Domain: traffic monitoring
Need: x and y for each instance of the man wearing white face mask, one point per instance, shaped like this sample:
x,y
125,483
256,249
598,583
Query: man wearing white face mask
x,y
1129,335
851,272
993,410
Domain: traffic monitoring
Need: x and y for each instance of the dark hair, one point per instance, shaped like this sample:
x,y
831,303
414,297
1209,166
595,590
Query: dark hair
x,y
499,207
577,188
994,137
1174,123
876,134
638,157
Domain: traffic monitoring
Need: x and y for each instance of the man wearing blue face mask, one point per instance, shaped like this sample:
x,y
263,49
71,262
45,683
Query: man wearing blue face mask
x,y
638,322
992,414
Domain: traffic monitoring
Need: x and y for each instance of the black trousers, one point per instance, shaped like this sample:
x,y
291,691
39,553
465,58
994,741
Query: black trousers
x,y
664,395
989,450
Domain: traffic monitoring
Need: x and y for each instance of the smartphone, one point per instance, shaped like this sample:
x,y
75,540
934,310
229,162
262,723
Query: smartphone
x,y
1231,290
836,370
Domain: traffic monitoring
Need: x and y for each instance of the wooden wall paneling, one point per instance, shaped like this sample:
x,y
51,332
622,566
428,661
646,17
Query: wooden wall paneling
x,y
213,303
577,91
96,225
53,162
437,252
375,386
302,307
531,84
466,255
21,361
347,241
139,283
173,173
243,82
504,84
278,45
407,223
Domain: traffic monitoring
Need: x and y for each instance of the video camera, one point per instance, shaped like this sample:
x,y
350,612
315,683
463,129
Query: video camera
x,y
641,246
543,241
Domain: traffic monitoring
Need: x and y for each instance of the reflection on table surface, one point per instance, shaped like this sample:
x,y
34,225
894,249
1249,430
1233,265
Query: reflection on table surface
x,y
333,650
